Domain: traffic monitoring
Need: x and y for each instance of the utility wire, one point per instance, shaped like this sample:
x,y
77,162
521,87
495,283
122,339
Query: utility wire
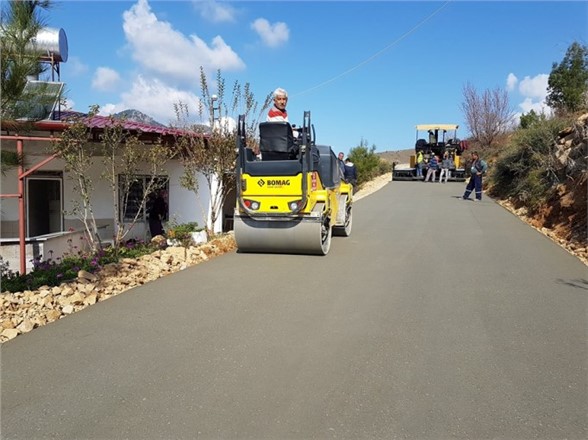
x,y
377,54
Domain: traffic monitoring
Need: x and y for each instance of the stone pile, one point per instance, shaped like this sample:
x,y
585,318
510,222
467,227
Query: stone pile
x,y
571,147
21,312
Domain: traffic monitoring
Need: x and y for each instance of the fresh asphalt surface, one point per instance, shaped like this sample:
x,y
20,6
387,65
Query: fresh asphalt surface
x,y
437,319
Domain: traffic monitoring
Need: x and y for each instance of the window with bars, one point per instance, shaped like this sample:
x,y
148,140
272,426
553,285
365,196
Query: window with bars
x,y
136,194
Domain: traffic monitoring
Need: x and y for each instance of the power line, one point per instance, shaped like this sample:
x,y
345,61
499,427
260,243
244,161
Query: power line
x,y
377,54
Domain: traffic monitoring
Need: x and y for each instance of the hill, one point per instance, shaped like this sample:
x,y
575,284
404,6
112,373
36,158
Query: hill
x,y
137,116
399,156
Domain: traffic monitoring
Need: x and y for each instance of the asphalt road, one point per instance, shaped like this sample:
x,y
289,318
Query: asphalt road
x,y
437,319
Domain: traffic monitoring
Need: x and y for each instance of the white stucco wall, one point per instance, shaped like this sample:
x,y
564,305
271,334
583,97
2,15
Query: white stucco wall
x,y
184,206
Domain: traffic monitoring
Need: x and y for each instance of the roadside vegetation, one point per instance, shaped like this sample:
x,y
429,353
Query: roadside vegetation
x,y
367,163
526,170
539,158
211,153
54,271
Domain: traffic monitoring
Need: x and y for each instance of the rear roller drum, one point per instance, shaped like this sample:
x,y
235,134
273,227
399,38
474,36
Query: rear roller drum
x,y
345,230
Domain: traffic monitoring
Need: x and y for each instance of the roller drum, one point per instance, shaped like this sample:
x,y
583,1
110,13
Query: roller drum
x,y
294,236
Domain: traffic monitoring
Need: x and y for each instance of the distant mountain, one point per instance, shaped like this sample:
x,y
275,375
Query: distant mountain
x,y
140,117
137,116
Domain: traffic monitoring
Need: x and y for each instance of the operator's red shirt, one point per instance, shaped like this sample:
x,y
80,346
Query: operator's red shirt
x,y
275,114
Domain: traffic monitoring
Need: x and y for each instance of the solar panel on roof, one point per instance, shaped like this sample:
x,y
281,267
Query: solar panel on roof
x,y
39,100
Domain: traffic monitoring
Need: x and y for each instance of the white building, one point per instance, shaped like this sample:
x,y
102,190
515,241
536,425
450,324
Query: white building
x,y
49,194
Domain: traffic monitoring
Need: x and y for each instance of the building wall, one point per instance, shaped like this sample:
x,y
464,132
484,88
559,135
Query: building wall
x,y
184,205
43,248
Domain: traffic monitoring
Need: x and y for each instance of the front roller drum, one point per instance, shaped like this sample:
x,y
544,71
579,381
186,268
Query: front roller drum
x,y
284,236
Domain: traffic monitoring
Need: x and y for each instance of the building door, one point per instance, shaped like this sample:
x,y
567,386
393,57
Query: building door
x,y
44,206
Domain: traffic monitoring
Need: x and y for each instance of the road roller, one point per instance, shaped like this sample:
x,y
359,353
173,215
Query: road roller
x,y
291,197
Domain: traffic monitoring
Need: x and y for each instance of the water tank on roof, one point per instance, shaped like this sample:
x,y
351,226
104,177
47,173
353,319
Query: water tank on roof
x,y
50,41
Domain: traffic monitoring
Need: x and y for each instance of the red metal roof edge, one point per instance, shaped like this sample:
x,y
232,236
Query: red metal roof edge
x,y
102,122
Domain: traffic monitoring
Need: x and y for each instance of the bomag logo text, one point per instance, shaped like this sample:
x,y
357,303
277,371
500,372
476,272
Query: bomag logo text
x,y
278,182
274,182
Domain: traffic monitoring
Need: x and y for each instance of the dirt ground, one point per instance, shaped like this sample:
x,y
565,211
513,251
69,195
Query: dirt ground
x,y
563,218
400,156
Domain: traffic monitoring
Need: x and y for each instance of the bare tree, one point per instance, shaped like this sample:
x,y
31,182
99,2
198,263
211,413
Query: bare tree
x,y
212,156
124,158
211,152
73,148
488,115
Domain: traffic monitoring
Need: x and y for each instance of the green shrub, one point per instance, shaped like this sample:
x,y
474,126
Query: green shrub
x,y
524,171
367,163
384,167
182,232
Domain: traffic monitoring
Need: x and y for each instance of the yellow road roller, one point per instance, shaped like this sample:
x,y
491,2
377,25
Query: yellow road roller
x,y
290,197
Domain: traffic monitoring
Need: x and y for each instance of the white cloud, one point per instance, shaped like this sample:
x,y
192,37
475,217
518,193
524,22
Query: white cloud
x,y
109,109
227,123
538,106
535,87
214,11
105,79
76,67
272,35
154,98
511,82
166,52
533,91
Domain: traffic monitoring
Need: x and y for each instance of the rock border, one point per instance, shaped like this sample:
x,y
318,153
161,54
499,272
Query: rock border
x,y
576,249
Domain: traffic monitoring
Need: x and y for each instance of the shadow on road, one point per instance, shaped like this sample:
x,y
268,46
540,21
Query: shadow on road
x,y
579,284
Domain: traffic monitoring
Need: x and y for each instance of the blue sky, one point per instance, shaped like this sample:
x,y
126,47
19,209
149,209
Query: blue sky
x,y
365,70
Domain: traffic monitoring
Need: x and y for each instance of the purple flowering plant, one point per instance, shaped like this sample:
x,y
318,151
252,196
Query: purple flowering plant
x,y
52,272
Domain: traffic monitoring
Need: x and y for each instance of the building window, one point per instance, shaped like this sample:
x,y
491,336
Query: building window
x,y
137,195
